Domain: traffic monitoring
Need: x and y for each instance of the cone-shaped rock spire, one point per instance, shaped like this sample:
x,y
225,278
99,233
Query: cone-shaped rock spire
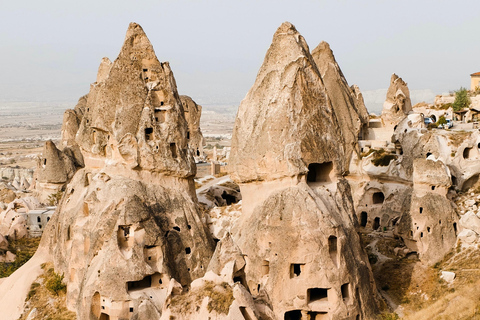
x,y
133,114
286,120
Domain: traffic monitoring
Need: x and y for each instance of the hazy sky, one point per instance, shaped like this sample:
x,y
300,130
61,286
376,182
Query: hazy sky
x,y
50,50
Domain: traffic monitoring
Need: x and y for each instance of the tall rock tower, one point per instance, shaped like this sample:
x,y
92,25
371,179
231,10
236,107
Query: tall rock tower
x,y
128,227
289,153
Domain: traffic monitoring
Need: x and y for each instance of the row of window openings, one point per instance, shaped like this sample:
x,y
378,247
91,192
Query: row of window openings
x,y
429,229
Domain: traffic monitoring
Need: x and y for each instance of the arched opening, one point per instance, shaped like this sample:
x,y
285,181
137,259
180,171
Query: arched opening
x,y
363,219
466,153
96,305
332,249
173,150
376,223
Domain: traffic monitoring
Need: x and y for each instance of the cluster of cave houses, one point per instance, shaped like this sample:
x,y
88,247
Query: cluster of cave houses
x,y
29,214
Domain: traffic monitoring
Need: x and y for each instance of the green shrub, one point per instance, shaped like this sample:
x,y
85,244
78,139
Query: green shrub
x,y
462,100
54,282
54,198
441,121
382,158
388,316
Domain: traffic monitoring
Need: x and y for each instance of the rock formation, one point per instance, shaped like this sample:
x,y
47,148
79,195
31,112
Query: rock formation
x,y
397,103
350,110
54,169
303,257
192,112
128,228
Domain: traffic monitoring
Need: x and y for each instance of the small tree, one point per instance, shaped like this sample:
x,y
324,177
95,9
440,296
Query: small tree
x,y
462,100
441,121
54,198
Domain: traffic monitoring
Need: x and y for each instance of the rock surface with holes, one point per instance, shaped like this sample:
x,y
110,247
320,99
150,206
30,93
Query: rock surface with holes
x,y
192,112
128,232
296,231
133,114
397,103
286,120
54,169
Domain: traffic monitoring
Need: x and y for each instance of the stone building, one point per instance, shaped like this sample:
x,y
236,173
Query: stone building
x,y
474,80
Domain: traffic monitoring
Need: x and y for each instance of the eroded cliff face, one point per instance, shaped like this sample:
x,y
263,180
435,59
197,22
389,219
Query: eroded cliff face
x,y
350,110
286,121
397,103
128,229
192,112
288,157
54,169
134,116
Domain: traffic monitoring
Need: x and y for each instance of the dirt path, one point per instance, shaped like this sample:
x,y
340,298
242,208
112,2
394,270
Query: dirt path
x,y
210,183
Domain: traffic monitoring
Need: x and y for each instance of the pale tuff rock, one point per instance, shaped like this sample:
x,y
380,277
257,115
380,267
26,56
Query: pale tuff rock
x,y
347,102
288,156
152,232
13,221
269,141
397,103
134,115
447,276
70,125
54,169
192,112
128,232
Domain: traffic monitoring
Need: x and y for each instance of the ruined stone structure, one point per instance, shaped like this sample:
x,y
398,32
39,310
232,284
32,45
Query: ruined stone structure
x,y
288,158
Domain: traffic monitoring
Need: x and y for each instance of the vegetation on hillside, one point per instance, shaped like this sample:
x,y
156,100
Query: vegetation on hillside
x,y
220,298
462,100
380,157
24,249
47,297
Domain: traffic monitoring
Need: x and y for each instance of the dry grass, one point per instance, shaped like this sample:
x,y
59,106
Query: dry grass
x,y
458,137
220,299
380,157
461,304
424,295
422,104
24,249
221,174
47,296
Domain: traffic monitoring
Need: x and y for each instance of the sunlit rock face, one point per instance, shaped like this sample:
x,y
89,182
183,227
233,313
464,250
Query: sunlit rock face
x,y
397,103
133,116
347,102
193,112
128,227
54,169
288,156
